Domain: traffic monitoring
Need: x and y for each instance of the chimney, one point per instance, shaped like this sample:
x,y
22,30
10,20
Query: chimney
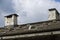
x,y
53,14
11,20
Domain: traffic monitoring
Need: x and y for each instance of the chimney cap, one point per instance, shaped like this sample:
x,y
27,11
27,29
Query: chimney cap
x,y
11,15
52,9
55,10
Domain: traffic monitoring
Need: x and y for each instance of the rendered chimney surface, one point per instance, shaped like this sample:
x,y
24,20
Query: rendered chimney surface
x,y
53,14
11,20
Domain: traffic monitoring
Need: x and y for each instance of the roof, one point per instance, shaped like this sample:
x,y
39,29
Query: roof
x,y
26,31
11,15
19,32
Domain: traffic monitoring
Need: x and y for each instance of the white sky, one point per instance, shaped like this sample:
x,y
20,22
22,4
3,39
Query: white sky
x,y
31,10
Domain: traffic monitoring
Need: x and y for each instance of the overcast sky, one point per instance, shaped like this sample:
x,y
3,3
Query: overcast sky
x,y
28,10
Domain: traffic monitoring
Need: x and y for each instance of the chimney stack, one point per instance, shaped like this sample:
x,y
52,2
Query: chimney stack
x,y
11,20
53,14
